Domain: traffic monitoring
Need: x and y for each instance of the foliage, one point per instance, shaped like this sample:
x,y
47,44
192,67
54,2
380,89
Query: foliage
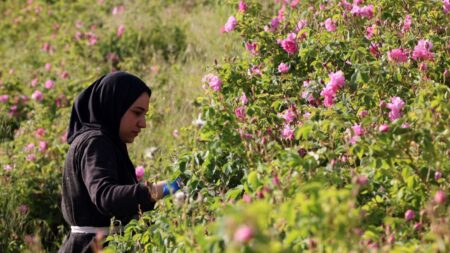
x,y
337,145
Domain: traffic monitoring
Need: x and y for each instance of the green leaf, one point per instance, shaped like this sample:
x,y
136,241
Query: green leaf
x,y
234,193
252,179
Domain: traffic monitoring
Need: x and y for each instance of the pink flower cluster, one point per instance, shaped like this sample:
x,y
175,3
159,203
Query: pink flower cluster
x,y
354,135
397,55
406,24
290,44
214,82
89,36
422,51
242,6
364,11
240,112
287,132
230,25
301,24
289,115
358,130
330,25
370,30
252,47
337,81
272,27
396,107
118,10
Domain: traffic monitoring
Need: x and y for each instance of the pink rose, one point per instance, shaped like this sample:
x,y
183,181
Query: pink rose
x,y
118,9
417,226
63,137
422,51
290,44
446,6
243,234
373,49
409,215
330,25
92,38
370,30
440,197
365,11
8,167
120,30
29,147
47,47
42,146
287,132
397,55
361,180
274,23
242,6
64,75
140,171
240,112
395,106
300,25
251,47
4,98
358,130
406,24
283,67
39,132
289,115
230,25
243,99
37,95
34,82
383,128
337,80
214,82
363,113
31,158
49,84
437,175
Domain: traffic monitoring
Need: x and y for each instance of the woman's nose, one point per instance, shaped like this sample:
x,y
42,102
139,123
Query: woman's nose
x,y
142,123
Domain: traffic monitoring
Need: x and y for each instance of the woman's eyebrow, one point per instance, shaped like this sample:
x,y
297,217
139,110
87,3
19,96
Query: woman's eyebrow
x,y
141,108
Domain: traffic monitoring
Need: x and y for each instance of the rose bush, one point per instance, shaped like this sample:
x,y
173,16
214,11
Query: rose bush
x,y
329,132
50,51
344,124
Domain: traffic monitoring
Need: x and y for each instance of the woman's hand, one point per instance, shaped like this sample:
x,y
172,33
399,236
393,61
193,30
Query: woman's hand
x,y
164,188
156,190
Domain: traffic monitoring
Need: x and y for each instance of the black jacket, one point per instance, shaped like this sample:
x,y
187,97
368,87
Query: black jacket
x,y
98,184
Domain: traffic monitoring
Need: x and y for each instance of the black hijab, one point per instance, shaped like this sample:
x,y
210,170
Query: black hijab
x,y
102,105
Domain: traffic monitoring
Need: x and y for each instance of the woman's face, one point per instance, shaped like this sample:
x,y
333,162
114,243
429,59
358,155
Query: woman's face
x,y
134,119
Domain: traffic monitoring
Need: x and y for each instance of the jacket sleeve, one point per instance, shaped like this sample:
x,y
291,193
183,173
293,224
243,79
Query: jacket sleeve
x,y
99,171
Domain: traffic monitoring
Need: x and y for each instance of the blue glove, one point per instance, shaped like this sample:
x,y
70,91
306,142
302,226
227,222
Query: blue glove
x,y
172,187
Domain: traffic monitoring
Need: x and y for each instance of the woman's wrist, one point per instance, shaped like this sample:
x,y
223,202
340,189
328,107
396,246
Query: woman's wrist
x,y
156,190
163,188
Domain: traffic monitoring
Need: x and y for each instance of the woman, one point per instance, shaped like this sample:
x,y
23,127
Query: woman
x,y
99,181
